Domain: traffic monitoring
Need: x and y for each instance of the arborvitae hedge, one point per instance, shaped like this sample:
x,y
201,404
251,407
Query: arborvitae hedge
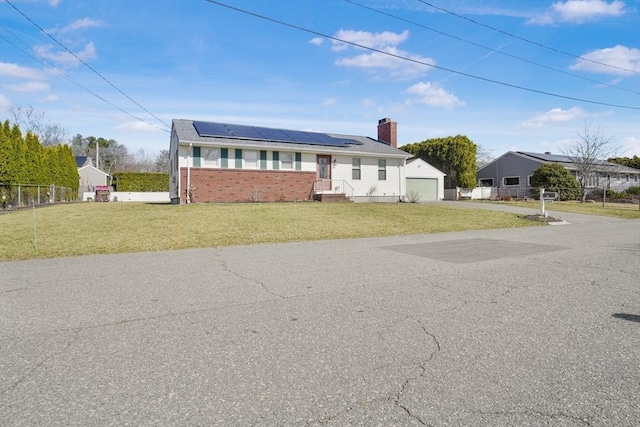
x,y
23,160
136,181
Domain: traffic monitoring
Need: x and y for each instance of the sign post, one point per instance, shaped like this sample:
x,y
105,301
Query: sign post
x,y
543,212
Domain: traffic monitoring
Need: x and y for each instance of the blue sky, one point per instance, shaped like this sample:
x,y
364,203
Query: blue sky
x,y
193,59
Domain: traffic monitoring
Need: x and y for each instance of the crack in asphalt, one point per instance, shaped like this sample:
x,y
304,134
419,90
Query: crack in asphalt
x,y
422,365
30,372
229,270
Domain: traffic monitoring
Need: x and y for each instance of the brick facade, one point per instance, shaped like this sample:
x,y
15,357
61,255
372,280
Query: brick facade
x,y
242,185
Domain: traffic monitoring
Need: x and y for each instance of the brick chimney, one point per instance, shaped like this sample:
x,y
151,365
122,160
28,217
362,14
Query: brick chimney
x,y
388,131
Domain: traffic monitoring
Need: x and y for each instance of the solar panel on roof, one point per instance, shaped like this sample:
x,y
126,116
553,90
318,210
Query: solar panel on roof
x,y
242,131
275,135
224,130
211,129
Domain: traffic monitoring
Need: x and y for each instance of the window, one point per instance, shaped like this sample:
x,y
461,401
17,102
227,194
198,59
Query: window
x,y
355,168
251,159
210,157
238,158
627,178
196,157
635,178
511,180
286,160
529,180
276,160
382,169
487,182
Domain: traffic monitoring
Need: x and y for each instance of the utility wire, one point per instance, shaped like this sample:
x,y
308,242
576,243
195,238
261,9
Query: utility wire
x,y
415,60
489,48
46,62
86,65
525,39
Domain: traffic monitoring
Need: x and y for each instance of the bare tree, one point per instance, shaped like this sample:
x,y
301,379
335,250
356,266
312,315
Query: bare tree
x,y
588,155
162,161
483,156
31,120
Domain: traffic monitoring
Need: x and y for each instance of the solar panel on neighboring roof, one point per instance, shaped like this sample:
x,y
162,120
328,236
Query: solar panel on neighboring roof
x,y
224,130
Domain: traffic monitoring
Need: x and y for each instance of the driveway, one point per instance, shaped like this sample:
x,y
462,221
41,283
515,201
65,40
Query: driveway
x,y
536,327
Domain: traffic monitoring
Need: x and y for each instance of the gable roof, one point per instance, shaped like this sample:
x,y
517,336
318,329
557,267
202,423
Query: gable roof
x,y
83,161
544,158
91,167
302,141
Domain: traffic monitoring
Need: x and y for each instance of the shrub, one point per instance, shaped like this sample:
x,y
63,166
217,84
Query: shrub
x,y
555,177
136,181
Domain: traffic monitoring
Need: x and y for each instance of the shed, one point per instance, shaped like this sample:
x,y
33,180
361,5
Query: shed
x,y
425,183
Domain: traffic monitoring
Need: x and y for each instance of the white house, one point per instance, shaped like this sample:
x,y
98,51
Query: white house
x,y
220,162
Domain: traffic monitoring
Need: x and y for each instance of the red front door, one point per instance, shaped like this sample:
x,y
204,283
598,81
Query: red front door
x,y
323,172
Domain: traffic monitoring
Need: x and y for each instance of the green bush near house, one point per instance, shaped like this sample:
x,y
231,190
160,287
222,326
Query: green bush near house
x,y
143,182
555,177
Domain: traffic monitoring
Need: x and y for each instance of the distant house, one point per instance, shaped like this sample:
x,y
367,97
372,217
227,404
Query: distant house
x,y
512,172
218,162
90,176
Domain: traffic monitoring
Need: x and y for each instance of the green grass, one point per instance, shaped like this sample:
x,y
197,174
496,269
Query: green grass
x,y
104,228
621,210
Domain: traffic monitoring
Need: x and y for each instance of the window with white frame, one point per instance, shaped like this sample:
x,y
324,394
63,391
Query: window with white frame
x,y
382,169
529,180
250,159
210,157
510,181
286,160
355,168
486,182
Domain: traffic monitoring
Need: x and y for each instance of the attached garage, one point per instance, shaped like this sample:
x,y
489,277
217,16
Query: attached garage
x,y
424,183
426,189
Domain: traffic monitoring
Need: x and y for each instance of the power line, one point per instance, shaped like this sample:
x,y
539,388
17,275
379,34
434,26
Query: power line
x,y
525,39
417,61
46,62
489,48
85,64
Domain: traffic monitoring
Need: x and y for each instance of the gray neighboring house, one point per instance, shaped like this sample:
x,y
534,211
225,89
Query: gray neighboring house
x,y
512,172
90,176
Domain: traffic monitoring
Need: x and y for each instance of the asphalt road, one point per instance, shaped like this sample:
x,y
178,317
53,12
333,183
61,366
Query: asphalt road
x,y
535,327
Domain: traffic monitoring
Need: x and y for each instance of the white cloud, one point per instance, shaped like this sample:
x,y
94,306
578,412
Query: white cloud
x,y
387,60
15,70
390,61
329,102
316,41
137,126
79,24
555,115
4,102
618,56
367,39
64,58
433,94
29,87
51,98
579,11
54,3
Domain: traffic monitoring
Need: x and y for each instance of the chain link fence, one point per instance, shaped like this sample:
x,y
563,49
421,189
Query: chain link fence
x,y
14,196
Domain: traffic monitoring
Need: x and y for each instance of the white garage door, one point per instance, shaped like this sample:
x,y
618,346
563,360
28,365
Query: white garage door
x,y
425,188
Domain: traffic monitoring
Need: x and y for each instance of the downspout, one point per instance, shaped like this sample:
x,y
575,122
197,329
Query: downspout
x,y
189,155
401,167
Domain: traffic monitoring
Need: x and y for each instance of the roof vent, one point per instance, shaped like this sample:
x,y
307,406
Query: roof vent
x,y
547,152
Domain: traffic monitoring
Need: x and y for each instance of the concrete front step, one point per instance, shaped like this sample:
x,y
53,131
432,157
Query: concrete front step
x,y
332,198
